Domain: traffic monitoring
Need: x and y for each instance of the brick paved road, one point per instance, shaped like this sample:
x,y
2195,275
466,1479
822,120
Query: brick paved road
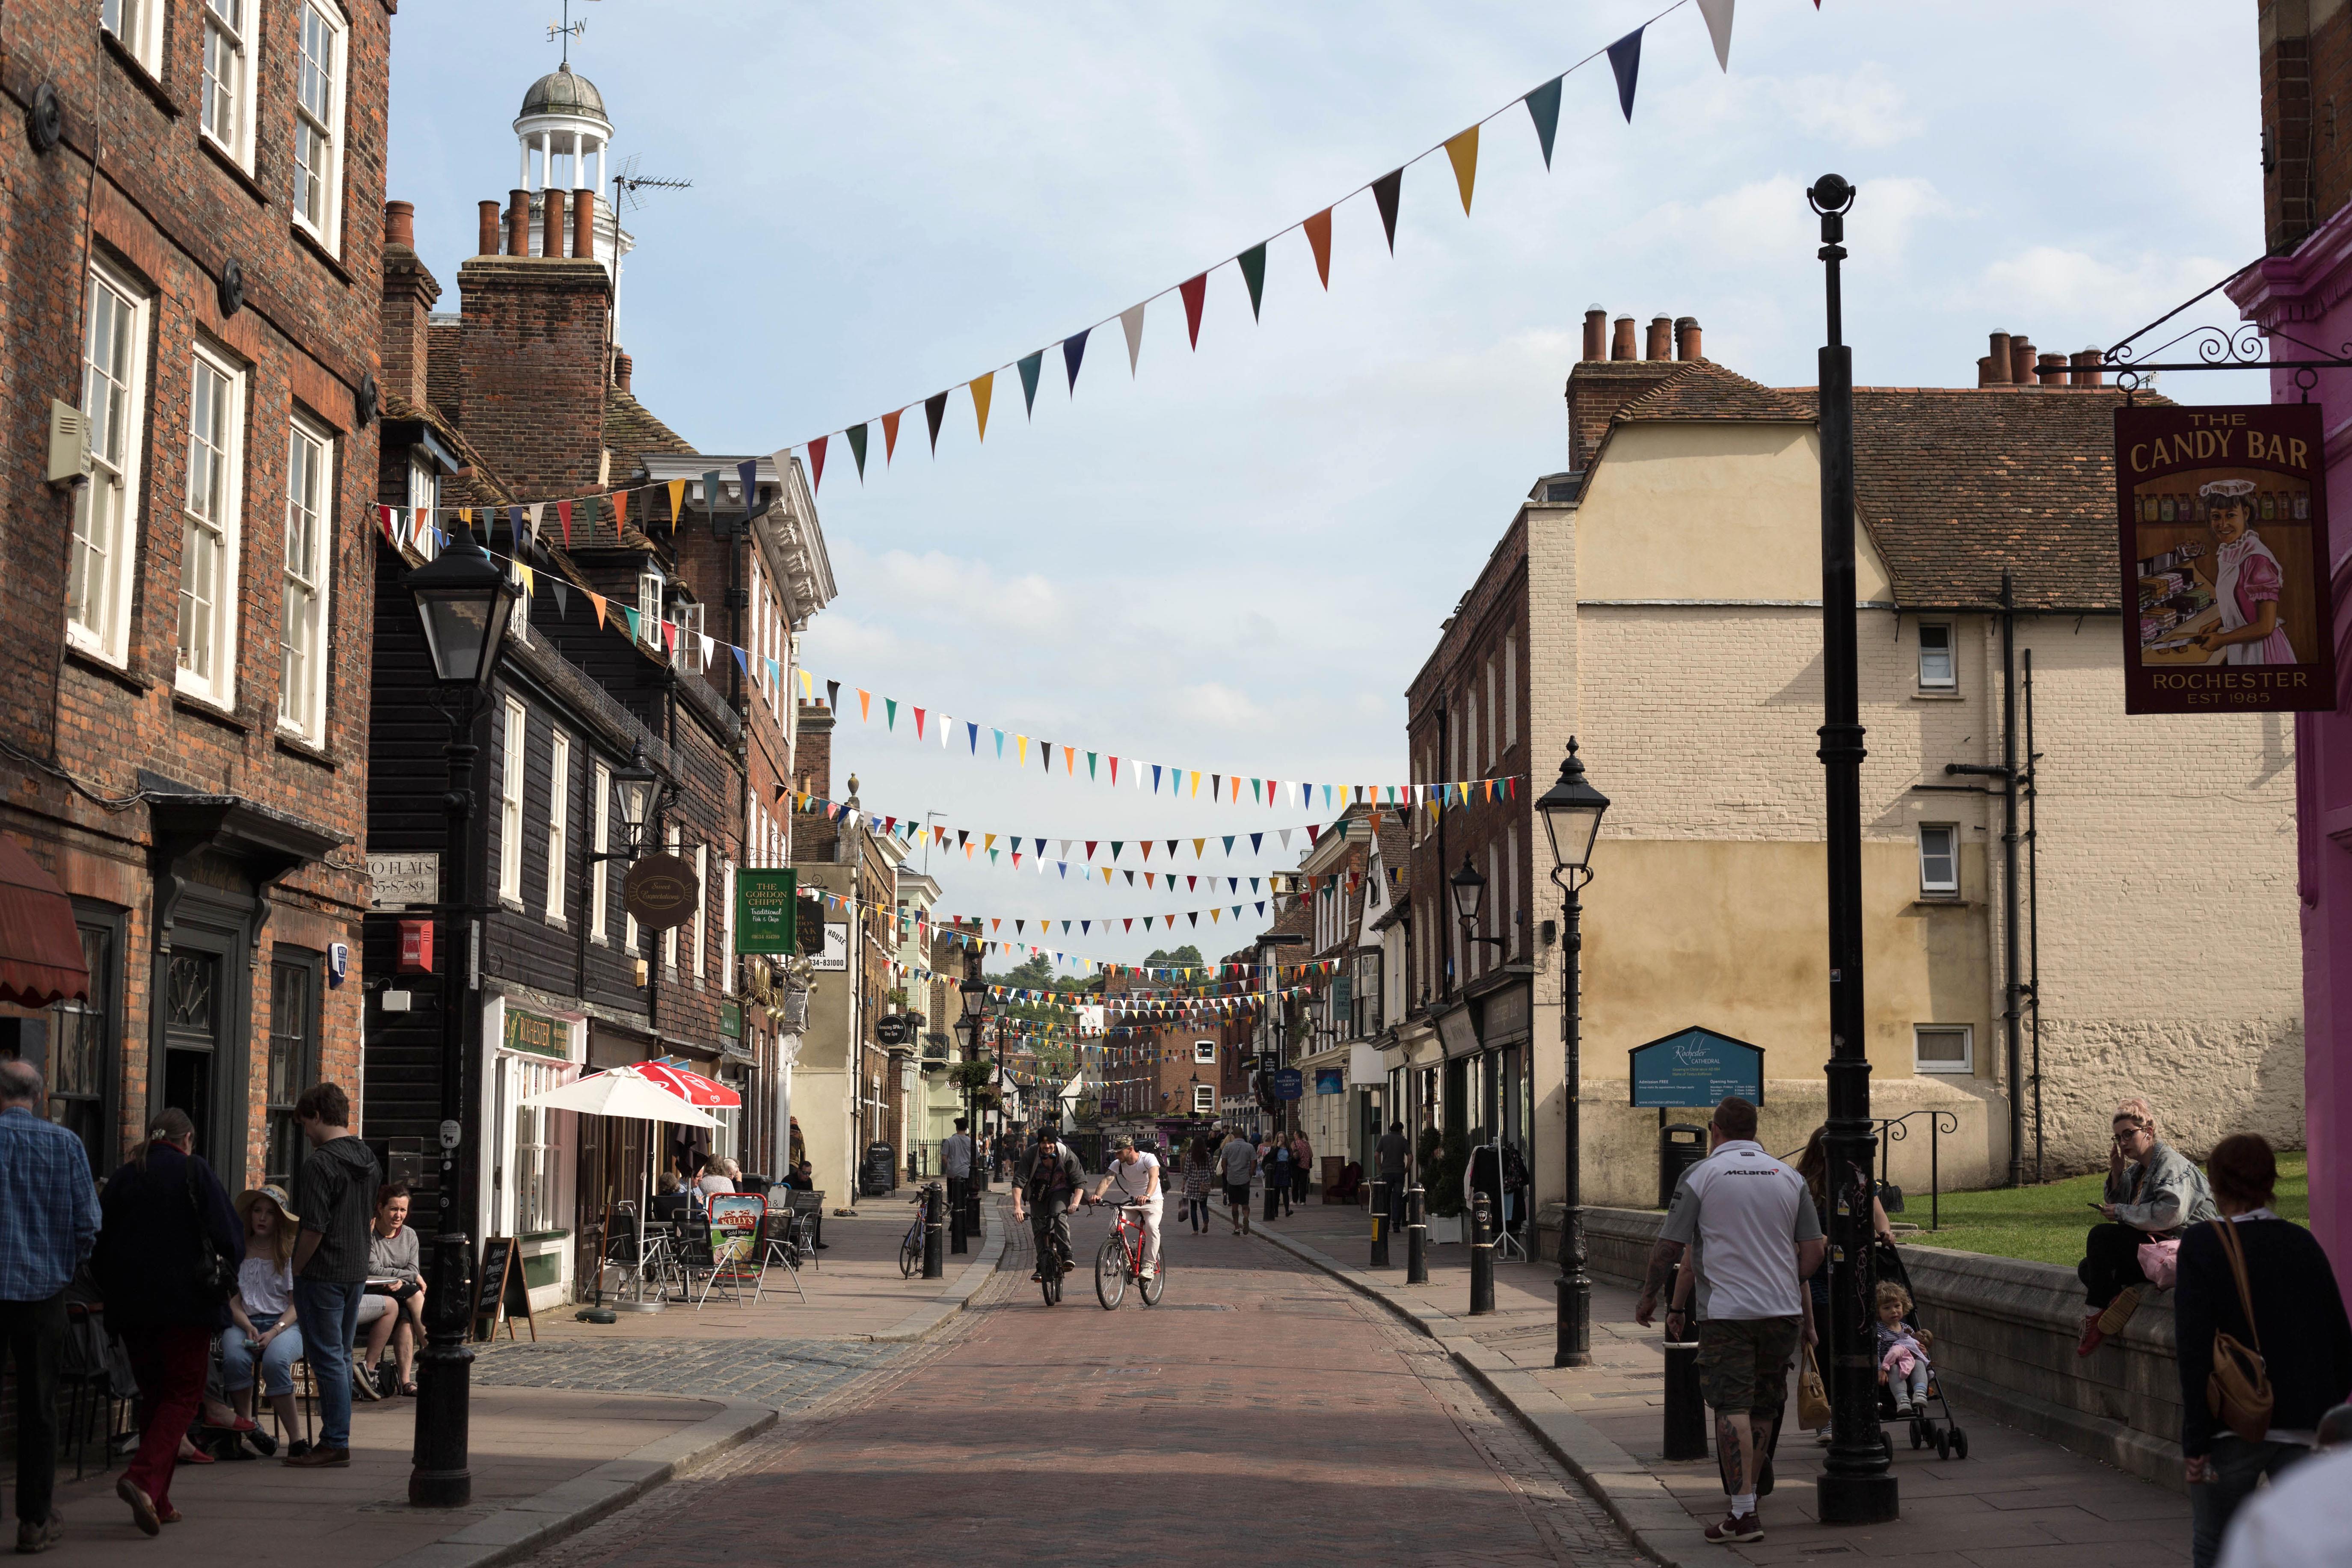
x,y
786,1374
1262,1410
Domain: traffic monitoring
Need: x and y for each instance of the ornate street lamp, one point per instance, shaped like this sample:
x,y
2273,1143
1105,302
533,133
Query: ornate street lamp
x,y
465,603
633,788
1571,812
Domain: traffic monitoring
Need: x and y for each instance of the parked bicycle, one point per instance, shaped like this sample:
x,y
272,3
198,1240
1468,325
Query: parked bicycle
x,y
910,1247
1120,1259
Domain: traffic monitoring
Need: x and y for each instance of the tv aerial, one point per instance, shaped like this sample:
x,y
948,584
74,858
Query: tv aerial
x,y
628,183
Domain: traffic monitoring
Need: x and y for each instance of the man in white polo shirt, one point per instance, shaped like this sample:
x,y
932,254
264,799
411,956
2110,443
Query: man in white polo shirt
x,y
1757,1239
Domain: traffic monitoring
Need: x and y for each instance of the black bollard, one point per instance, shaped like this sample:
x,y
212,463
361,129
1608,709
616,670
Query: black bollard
x,y
1482,1257
1416,1239
935,1267
1686,1412
1379,1225
956,1220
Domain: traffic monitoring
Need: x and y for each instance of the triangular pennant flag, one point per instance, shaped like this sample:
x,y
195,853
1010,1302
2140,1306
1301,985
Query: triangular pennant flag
x,y
934,408
983,388
817,463
1318,239
856,433
919,723
890,437
1074,351
676,500
865,706
1132,320
1195,292
747,474
1386,191
1461,152
598,602
1543,108
1625,59
1718,27
833,696
973,735
562,598
710,496
620,513
1253,264
633,622
1030,365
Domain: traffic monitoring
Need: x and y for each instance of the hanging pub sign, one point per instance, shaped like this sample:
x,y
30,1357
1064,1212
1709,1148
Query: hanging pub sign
x,y
2223,514
767,904
661,892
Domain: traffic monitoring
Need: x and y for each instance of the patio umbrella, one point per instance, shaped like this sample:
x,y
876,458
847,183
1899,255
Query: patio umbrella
x,y
626,1092
690,1087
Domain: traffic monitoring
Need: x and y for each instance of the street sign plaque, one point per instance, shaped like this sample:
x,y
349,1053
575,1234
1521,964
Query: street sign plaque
x,y
1695,1067
1290,1084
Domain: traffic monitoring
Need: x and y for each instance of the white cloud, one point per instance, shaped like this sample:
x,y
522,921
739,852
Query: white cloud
x,y
1213,705
2054,281
1864,110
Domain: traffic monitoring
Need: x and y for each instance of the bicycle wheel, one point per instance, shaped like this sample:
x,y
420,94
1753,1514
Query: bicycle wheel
x,y
1110,1274
1153,1284
910,1251
1049,1277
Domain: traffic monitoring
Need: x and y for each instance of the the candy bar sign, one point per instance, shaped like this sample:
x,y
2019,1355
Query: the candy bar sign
x,y
2224,528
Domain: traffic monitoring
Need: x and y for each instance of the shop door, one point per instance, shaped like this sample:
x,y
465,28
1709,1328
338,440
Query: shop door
x,y
193,1016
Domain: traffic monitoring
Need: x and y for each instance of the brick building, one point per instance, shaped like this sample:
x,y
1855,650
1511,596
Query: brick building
x,y
193,244
1352,879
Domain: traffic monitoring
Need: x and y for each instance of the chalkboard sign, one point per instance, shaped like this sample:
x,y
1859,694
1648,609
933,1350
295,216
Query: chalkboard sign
x,y
1695,1067
499,1290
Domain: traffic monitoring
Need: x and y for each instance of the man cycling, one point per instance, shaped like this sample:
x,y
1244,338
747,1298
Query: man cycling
x,y
1051,1182
1137,1176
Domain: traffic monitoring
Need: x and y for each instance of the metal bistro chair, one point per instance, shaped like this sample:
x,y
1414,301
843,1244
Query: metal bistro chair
x,y
698,1260
806,1209
777,1247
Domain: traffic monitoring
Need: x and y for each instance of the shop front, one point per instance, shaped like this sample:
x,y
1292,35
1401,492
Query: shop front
x,y
531,1158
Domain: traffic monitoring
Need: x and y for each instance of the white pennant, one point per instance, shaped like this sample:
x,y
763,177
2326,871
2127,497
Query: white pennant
x,y
1718,27
947,728
1132,320
1286,838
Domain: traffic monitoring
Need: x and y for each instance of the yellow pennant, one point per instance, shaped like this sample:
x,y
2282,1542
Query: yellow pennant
x,y
983,388
530,581
1196,786
808,685
1197,843
678,500
990,840
1462,151
1023,743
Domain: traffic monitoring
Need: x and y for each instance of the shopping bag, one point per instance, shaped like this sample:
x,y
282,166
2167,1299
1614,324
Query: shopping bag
x,y
1813,1397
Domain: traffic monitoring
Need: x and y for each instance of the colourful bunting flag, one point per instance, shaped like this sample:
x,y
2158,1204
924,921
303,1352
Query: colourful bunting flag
x,y
1074,349
1318,239
934,408
1253,265
1132,320
1386,191
983,388
856,433
817,464
1195,292
1718,27
890,437
676,500
1030,366
1625,60
1461,152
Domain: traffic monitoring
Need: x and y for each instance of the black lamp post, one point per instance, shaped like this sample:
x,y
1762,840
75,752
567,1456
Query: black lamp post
x,y
975,1023
464,602
1571,812
1856,1485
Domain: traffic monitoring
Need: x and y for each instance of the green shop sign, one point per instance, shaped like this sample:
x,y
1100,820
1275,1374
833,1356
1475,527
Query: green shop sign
x,y
537,1035
764,908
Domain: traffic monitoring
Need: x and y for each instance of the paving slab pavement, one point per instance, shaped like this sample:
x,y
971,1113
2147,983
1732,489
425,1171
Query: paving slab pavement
x,y
2016,1501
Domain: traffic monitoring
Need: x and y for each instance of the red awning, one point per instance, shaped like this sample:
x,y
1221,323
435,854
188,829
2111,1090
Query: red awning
x,y
40,951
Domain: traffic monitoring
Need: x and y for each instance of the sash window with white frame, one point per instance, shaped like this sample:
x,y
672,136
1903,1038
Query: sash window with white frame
x,y
669,937
302,641
319,124
209,516
425,501
559,822
727,928
106,516
702,902
604,830
225,100
511,780
138,27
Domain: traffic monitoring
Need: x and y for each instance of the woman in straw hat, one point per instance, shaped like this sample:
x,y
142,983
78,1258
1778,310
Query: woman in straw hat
x,y
262,1336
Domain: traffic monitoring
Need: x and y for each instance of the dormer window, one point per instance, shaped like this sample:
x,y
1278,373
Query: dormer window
x,y
649,608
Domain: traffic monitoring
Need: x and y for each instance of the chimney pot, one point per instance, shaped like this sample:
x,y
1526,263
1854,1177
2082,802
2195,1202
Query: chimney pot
x,y
1998,366
583,224
1596,333
2021,359
400,224
1686,338
2052,369
1661,337
622,367
486,234
517,223
1621,342
1984,369
2087,371
551,223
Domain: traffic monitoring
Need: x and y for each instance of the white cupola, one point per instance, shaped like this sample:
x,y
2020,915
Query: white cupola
x,y
564,135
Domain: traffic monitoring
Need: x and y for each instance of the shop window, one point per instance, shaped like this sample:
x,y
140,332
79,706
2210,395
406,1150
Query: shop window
x,y
293,1059
1937,670
537,1165
1941,1048
80,1059
1939,860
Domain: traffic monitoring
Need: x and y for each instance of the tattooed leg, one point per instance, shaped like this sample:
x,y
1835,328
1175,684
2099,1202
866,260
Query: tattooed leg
x,y
1735,1449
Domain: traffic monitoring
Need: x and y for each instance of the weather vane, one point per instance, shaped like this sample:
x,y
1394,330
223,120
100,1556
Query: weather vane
x,y
568,30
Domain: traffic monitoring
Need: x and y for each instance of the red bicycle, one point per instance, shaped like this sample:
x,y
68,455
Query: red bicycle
x,y
1120,1259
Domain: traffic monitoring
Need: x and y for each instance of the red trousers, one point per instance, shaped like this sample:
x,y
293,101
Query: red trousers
x,y
170,1366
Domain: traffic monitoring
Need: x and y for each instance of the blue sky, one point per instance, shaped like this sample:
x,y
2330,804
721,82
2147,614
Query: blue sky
x,y
1236,559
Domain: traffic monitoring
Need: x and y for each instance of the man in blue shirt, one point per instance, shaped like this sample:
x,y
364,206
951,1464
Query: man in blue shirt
x,y
49,1222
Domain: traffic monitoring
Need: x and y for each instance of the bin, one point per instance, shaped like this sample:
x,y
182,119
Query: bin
x,y
1680,1146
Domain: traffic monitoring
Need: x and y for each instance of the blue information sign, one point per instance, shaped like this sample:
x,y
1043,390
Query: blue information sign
x,y
1290,1084
1695,1067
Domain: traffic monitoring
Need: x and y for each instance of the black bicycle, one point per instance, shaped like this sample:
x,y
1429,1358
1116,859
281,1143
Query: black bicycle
x,y
1053,1263
910,1249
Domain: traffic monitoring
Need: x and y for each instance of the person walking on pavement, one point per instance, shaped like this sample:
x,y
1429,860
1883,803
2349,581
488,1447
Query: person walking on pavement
x,y
955,1163
1302,1165
1392,1153
1759,1238
1273,1168
48,1222
168,1251
336,1198
1199,1162
1236,1158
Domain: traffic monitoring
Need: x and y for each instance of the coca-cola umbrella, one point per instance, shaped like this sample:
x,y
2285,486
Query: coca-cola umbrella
x,y
691,1086
634,1094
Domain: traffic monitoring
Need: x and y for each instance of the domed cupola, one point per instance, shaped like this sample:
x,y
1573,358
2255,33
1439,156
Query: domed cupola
x,y
564,133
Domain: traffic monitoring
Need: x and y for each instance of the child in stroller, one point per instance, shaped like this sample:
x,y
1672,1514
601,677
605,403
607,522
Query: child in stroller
x,y
1902,1351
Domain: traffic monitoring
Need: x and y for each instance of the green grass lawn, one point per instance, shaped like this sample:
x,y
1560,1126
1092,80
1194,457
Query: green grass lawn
x,y
2047,1223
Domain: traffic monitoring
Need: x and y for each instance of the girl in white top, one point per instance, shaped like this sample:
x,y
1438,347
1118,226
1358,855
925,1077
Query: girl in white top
x,y
261,1332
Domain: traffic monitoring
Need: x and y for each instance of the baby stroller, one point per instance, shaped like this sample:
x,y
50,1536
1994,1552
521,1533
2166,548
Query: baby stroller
x,y
1933,1425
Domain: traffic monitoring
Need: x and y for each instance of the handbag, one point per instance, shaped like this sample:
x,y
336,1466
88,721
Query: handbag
x,y
214,1278
2237,1390
1812,1396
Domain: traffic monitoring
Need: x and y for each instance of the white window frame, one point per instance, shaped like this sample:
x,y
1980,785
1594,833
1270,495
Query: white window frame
x,y
1204,1100
669,937
321,24
230,29
1929,887
518,613
138,27
1949,678
106,508
701,902
305,625
1204,1053
1510,692
727,928
510,786
602,781
558,824
1966,1066
209,670
650,609
425,505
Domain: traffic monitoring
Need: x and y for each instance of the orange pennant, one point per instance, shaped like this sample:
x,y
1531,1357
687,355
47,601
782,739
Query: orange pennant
x,y
676,500
890,436
866,706
983,388
1462,151
599,601
1318,237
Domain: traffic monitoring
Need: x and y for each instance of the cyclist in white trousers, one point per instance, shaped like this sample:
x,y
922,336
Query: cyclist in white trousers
x,y
1137,1177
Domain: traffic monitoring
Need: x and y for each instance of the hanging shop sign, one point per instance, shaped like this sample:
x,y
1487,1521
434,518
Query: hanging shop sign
x,y
661,892
1330,1080
2224,520
1289,1083
730,1020
1695,1067
835,959
766,906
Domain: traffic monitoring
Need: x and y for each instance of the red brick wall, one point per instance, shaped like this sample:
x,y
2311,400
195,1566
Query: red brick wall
x,y
531,383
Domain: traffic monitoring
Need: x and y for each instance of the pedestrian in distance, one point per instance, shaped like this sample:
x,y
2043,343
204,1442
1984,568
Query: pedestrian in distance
x,y
168,1257
1274,1169
336,1198
2297,1328
1237,1159
48,1222
955,1163
1757,1239
1198,1165
2154,1193
1302,1166
1393,1154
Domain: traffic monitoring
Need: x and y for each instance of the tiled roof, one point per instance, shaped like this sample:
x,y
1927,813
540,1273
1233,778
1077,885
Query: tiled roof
x,y
444,349
631,430
1701,389
479,487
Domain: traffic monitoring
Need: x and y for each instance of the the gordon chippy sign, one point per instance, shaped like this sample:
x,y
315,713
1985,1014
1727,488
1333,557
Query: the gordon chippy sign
x,y
2223,516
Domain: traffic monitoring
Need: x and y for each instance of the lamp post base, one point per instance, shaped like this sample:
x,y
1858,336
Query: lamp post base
x,y
1857,1499
444,1367
1572,1320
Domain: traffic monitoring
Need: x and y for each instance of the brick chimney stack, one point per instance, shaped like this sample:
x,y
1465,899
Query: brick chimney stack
x,y
1997,362
1662,338
2021,359
2087,370
533,363
1596,333
2051,370
813,749
622,367
1688,342
1620,345
409,291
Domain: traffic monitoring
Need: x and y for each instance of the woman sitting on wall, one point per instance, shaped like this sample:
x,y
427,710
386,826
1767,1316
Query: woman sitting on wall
x,y
2154,1193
